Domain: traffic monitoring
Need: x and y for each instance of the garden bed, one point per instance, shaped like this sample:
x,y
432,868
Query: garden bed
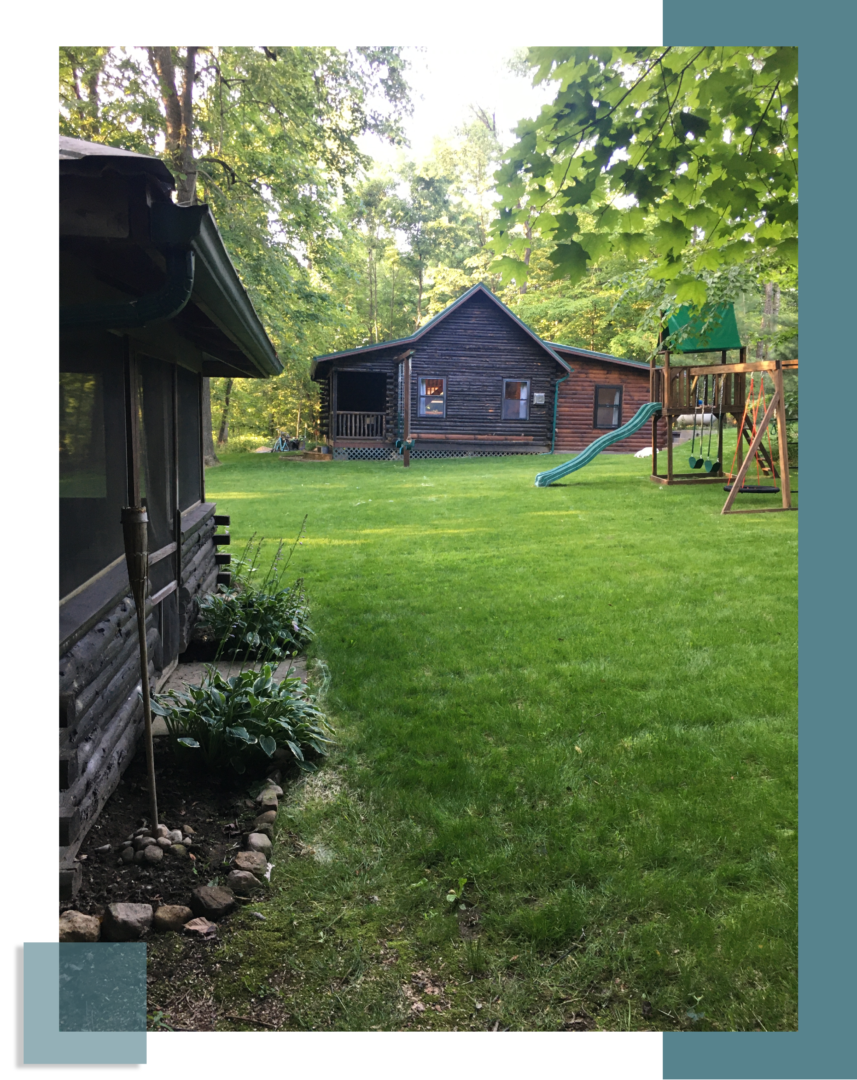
x,y
219,812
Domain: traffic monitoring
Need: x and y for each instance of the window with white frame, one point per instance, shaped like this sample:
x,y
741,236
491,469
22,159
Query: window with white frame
x,y
432,396
516,399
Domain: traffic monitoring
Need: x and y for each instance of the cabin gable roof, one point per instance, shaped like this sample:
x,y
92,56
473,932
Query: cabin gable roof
x,y
407,342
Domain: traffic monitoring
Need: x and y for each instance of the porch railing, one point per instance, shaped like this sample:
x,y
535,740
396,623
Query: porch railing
x,y
360,425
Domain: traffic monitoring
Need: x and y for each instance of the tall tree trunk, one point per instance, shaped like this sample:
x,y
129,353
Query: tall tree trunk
x,y
223,433
209,457
179,116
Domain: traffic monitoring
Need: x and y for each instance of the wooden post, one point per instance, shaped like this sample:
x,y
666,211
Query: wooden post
x,y
132,426
334,405
202,423
406,412
723,379
177,514
667,414
757,438
785,485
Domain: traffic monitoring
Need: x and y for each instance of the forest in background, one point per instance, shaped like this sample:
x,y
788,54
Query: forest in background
x,y
657,177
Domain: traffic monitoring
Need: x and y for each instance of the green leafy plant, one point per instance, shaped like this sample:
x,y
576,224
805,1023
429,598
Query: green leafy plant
x,y
456,894
233,721
258,622
262,621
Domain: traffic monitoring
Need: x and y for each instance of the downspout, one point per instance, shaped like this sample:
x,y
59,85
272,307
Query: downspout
x,y
555,403
172,230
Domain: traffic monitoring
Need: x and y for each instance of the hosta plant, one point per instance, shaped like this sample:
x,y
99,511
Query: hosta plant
x,y
234,721
258,622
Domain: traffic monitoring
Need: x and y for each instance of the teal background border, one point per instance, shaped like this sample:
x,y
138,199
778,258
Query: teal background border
x,y
44,1043
823,1047
826,595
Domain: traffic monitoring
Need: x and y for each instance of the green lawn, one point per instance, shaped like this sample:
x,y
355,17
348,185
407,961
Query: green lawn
x,y
580,699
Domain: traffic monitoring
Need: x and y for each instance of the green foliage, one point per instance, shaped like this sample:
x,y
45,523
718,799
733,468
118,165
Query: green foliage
x,y
689,154
258,622
244,719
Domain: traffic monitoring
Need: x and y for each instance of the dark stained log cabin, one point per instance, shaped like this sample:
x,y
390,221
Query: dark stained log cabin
x,y
149,304
475,380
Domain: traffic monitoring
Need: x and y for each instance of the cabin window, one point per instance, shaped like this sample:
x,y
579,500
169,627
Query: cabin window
x,y
516,399
608,406
432,397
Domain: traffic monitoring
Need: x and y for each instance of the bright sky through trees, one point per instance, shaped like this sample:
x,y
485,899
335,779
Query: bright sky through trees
x,y
447,80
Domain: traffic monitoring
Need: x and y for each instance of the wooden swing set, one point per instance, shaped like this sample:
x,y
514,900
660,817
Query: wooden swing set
x,y
678,391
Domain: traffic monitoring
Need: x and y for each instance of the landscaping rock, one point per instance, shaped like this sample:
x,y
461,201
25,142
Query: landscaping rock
x,y
126,922
171,917
213,901
179,850
254,862
175,835
201,928
275,788
139,855
161,830
127,855
268,818
257,841
188,831
75,926
265,829
243,882
153,854
164,842
143,841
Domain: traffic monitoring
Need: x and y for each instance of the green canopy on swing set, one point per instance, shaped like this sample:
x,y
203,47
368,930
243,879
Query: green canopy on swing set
x,y
721,332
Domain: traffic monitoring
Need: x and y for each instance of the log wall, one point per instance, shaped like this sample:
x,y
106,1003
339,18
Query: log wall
x,y
101,713
475,348
575,427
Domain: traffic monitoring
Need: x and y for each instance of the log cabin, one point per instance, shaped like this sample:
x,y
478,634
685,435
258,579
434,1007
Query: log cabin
x,y
475,380
150,304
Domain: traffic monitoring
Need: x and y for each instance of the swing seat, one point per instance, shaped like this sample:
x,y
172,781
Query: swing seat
x,y
754,489
711,466
695,462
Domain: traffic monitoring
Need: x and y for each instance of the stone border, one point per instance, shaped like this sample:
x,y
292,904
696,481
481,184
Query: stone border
x,y
207,904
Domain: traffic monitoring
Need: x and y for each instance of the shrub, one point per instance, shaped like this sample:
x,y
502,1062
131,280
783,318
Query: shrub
x,y
238,720
269,623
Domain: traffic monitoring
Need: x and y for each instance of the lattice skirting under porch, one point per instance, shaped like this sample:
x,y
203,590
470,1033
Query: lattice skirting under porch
x,y
383,453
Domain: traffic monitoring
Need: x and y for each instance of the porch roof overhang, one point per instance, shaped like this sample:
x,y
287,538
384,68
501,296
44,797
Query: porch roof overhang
x,y
218,317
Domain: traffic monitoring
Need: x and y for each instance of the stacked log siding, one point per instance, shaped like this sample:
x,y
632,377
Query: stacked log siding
x,y
575,427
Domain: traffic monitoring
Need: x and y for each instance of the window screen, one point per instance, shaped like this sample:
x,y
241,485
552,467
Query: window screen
x,y
156,449
92,464
608,406
516,399
432,397
190,448
83,458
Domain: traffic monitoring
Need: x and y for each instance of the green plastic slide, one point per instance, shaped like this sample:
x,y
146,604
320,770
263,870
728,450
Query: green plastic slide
x,y
543,479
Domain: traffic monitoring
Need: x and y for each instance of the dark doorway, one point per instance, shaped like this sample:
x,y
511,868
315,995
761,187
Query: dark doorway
x,y
361,391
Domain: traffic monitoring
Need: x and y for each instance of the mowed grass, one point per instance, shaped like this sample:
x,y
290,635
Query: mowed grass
x,y
574,707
